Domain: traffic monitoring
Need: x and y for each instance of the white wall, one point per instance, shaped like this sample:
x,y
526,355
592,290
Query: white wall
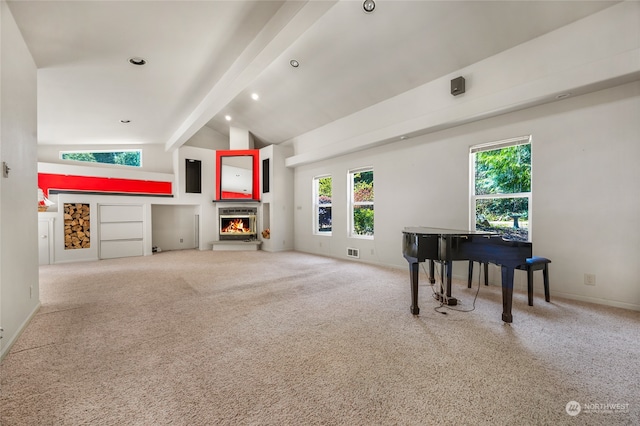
x,y
174,227
208,138
277,204
208,211
19,291
585,192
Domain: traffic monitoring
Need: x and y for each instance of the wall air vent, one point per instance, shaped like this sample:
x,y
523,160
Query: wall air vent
x,y
353,252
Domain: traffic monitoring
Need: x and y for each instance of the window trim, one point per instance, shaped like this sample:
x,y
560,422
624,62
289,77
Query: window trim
x,y
351,203
491,146
316,205
504,143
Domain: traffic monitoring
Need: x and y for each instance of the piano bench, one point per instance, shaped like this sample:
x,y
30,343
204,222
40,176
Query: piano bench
x,y
536,263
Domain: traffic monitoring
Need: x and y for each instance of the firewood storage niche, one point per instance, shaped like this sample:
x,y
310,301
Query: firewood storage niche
x,y
77,226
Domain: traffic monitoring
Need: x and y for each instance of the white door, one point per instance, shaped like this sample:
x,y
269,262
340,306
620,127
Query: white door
x,y
43,242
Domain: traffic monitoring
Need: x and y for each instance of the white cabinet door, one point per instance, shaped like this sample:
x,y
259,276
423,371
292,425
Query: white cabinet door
x,y
44,255
121,213
121,231
120,248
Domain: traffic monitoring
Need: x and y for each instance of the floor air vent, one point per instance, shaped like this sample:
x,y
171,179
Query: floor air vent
x,y
353,252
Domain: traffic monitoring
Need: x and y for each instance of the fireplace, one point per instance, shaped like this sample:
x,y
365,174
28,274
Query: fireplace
x,y
237,223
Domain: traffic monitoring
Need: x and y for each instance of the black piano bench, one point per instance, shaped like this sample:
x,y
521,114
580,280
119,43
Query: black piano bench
x,y
536,263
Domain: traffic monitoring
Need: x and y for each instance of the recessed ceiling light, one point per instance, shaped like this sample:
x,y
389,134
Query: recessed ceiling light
x,y
227,117
125,121
368,6
294,63
137,61
255,96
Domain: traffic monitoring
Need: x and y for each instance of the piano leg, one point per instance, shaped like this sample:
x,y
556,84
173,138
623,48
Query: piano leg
x,y
486,273
432,269
507,293
413,272
449,267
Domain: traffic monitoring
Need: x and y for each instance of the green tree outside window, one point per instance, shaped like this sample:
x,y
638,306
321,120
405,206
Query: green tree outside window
x,y
363,210
123,158
502,190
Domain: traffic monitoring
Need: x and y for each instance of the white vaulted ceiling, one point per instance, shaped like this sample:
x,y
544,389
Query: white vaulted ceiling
x,y
206,58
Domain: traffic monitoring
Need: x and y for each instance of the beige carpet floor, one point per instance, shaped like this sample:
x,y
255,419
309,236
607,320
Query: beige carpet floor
x,y
257,338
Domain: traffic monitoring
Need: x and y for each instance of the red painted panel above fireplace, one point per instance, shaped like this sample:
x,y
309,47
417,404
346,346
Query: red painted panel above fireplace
x,y
223,192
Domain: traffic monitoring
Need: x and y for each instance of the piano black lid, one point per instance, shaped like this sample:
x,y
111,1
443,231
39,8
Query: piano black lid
x,y
424,230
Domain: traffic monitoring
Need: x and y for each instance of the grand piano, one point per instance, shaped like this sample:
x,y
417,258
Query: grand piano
x,y
420,244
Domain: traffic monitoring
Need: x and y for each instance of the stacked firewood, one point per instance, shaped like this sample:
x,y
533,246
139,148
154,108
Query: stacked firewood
x,y
77,233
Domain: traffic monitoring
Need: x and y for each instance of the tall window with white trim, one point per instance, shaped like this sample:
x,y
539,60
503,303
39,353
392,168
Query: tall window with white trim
x,y
501,188
361,223
322,205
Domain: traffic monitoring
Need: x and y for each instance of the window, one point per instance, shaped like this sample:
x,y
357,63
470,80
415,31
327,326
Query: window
x,y
128,157
322,205
501,188
361,203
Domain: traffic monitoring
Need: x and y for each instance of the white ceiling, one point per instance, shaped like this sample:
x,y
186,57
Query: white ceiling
x,y
205,59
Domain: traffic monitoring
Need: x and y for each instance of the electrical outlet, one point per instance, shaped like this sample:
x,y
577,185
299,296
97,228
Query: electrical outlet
x,y
590,279
30,291
181,240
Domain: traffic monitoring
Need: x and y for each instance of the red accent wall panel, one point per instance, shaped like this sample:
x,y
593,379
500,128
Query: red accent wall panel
x,y
47,181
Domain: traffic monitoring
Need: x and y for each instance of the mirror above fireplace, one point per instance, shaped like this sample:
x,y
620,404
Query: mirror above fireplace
x,y
238,175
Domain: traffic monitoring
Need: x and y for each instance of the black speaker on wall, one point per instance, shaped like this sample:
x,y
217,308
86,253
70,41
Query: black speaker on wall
x,y
193,172
457,86
265,176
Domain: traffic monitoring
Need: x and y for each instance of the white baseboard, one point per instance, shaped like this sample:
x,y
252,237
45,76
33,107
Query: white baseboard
x,y
14,338
596,300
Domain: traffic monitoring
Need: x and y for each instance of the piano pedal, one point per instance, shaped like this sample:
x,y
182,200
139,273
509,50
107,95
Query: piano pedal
x,y
449,301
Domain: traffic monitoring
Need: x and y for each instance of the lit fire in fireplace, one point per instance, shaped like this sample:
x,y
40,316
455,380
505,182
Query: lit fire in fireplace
x,y
236,226
237,223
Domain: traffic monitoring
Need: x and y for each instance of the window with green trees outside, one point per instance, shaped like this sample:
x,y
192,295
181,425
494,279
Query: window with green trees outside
x,y
361,202
322,205
501,198
128,157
